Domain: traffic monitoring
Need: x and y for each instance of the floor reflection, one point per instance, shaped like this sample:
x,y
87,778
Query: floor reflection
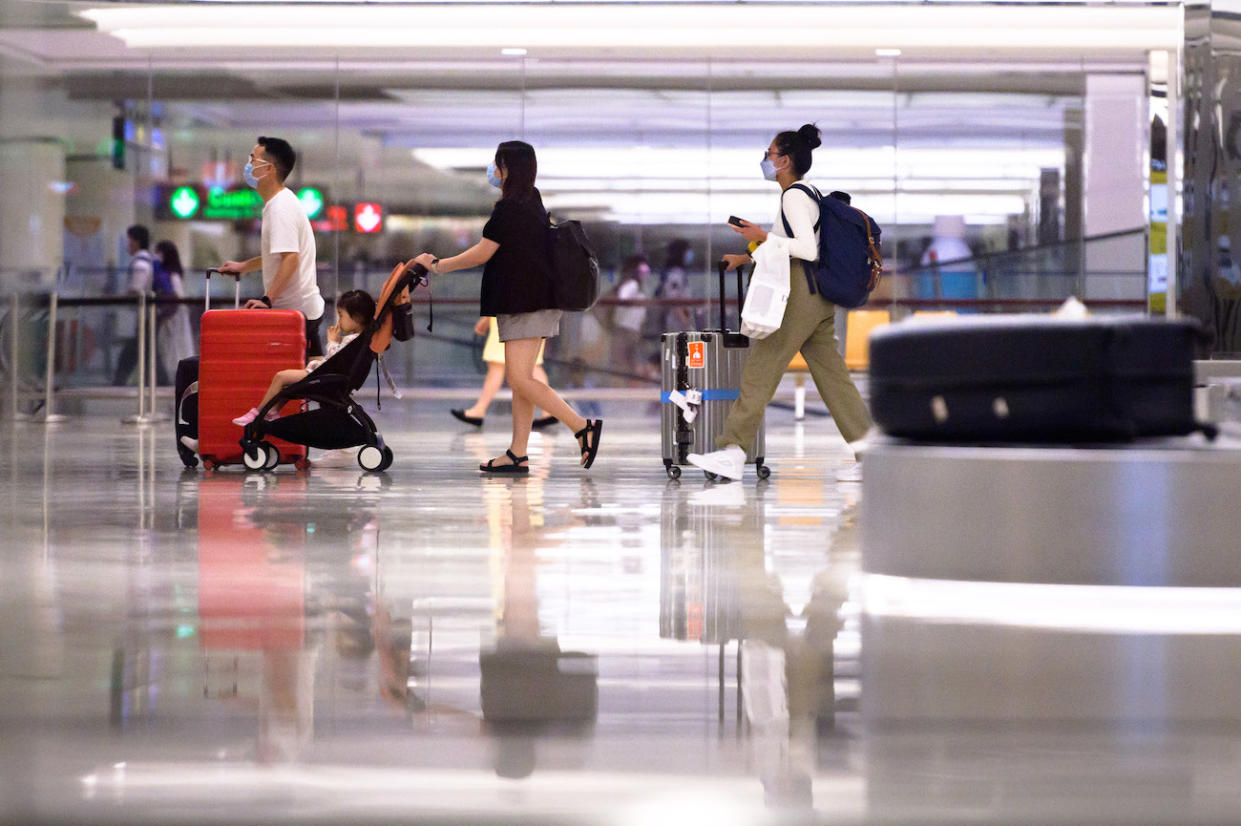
x,y
610,647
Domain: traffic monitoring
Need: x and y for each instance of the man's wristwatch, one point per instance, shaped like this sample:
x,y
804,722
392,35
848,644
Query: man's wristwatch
x,y
435,263
266,301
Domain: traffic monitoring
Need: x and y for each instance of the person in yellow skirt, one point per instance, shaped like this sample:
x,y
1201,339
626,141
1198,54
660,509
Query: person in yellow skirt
x,y
493,354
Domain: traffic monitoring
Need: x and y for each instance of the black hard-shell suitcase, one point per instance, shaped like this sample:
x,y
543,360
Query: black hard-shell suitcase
x,y
185,408
1034,379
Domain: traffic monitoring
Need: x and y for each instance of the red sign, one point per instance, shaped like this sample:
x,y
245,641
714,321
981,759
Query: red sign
x,y
335,219
367,218
697,358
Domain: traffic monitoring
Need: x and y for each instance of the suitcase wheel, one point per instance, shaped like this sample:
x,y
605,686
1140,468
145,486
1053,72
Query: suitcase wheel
x,y
674,472
763,471
711,477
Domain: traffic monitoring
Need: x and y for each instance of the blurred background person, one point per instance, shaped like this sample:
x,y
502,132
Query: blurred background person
x,y
175,335
141,276
493,355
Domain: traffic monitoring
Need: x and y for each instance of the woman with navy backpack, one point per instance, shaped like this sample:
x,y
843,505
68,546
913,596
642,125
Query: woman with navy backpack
x,y
809,323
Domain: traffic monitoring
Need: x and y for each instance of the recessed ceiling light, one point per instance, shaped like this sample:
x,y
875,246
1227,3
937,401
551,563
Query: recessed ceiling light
x,y
887,52
513,52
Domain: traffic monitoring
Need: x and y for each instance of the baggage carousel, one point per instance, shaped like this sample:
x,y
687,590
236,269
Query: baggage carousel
x,y
1040,583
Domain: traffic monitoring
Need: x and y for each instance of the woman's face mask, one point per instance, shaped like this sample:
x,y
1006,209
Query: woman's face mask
x,y
768,166
493,176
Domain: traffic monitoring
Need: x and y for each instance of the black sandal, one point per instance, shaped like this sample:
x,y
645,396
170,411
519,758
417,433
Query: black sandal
x,y
590,447
517,468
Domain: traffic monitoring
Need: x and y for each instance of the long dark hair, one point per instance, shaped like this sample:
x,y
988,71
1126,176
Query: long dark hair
x,y
168,254
798,145
359,304
517,159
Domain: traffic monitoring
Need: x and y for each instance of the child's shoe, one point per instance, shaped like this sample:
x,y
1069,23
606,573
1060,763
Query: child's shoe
x,y
247,417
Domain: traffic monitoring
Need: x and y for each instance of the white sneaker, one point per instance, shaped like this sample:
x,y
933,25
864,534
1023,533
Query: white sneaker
x,y
850,473
729,462
190,442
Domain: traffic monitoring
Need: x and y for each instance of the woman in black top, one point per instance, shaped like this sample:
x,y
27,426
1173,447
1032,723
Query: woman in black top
x,y
517,290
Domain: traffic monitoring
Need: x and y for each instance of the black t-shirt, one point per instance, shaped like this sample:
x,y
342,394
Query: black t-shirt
x,y
517,278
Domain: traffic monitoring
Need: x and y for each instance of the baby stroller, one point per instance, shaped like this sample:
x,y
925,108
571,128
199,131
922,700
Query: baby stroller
x,y
338,421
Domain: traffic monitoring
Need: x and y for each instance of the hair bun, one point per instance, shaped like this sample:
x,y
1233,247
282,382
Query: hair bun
x,y
810,134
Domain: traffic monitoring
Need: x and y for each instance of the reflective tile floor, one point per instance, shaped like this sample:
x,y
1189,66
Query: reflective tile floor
x,y
431,646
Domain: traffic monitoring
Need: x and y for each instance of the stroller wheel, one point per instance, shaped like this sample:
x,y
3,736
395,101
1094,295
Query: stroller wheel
x,y
273,456
387,460
371,458
254,456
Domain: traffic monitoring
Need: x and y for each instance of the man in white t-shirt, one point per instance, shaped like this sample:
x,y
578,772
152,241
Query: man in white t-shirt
x,y
287,255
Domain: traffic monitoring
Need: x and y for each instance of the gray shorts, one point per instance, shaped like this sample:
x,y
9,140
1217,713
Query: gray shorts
x,y
539,324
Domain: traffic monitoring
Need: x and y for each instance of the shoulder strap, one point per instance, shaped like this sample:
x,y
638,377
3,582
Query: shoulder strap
x,y
814,195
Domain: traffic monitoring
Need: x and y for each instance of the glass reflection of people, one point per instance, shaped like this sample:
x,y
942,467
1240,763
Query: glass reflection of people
x,y
627,321
674,283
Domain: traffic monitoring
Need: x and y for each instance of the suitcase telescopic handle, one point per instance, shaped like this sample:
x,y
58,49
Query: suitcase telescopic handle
x,y
236,276
723,268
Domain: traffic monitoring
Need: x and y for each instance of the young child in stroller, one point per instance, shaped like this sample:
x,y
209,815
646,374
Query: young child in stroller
x,y
329,418
354,310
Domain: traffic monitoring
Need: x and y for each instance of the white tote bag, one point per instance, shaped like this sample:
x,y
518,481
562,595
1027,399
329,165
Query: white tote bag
x,y
768,293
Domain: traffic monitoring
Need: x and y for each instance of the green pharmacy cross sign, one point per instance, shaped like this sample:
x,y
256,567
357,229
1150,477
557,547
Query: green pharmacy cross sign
x,y
194,203
312,202
184,202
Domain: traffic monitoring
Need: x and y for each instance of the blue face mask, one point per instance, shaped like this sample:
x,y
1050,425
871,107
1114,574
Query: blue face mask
x,y
493,176
247,174
769,169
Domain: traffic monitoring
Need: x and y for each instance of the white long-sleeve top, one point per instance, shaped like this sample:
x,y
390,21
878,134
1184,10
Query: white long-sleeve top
x,y
802,213
333,347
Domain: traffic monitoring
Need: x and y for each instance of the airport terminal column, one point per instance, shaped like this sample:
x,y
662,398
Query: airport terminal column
x,y
32,164
1114,176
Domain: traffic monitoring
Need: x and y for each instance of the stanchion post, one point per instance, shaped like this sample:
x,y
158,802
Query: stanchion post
x,y
49,377
153,414
141,416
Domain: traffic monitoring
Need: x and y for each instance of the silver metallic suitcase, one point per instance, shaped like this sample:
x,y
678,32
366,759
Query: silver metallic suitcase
x,y
700,377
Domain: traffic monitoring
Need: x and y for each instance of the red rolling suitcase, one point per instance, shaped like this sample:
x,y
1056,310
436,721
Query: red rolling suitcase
x,y
240,352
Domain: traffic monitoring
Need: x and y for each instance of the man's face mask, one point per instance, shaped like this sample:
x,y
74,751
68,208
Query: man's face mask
x,y
248,173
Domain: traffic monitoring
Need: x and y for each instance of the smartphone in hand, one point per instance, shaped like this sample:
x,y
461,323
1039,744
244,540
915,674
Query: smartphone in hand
x,y
735,221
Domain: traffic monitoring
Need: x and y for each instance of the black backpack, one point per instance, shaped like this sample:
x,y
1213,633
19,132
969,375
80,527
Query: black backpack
x,y
850,262
574,267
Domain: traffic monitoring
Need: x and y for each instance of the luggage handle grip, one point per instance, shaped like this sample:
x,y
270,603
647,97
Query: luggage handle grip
x,y
723,268
236,276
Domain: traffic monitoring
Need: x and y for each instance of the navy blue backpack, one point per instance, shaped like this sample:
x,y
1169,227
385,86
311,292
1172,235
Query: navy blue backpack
x,y
850,262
